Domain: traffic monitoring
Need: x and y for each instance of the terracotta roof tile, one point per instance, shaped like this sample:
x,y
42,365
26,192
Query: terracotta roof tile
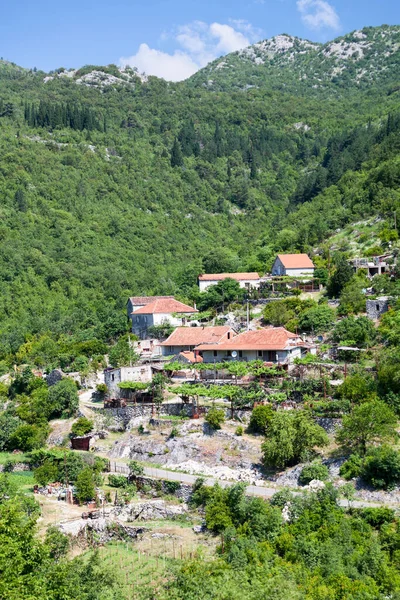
x,y
165,305
145,300
296,261
222,276
193,336
274,338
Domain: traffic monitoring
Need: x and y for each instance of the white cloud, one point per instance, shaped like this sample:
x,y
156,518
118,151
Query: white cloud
x,y
173,67
199,43
318,14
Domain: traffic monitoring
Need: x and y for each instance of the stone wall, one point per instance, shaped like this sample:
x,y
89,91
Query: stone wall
x,y
183,491
376,308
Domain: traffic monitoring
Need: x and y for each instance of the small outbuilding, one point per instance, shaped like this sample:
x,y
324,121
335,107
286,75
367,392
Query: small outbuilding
x,y
376,308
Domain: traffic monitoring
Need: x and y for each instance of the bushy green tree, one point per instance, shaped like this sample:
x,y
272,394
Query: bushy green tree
x,y
260,418
341,276
369,423
85,487
63,398
82,426
381,467
353,331
215,417
291,436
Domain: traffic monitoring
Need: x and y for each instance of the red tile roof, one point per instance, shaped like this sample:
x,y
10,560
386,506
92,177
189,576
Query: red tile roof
x,y
191,357
222,276
296,261
193,336
145,300
274,338
165,305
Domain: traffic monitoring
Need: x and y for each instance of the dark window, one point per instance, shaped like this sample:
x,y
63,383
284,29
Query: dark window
x,y
260,353
377,308
229,353
215,353
240,354
112,377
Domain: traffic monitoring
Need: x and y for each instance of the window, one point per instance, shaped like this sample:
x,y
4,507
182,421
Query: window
x,y
240,354
215,353
112,377
229,353
378,308
259,353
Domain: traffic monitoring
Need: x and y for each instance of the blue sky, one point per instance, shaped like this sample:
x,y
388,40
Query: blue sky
x,y
169,38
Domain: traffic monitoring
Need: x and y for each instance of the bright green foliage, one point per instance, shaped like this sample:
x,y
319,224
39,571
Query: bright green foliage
x,y
82,426
122,353
353,331
28,437
221,295
260,418
389,327
135,468
118,481
352,467
290,437
317,320
57,542
342,275
215,417
352,297
63,398
85,487
315,470
369,423
47,473
357,387
381,467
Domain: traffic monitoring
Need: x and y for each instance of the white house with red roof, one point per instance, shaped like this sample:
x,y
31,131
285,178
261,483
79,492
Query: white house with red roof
x,y
274,345
246,280
186,339
162,310
293,265
136,302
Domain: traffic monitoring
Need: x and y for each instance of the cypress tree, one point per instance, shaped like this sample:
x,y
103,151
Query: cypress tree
x,y
176,154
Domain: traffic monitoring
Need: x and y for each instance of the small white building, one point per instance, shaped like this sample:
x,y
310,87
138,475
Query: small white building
x,y
275,345
136,302
112,377
165,310
293,265
246,280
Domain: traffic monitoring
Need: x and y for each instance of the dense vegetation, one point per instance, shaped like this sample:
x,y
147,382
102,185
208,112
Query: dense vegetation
x,y
137,187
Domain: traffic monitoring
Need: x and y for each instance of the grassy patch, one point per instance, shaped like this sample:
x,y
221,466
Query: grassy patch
x,y
9,456
23,480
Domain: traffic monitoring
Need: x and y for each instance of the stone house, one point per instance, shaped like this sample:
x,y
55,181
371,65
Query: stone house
x,y
185,339
293,265
246,280
114,376
376,308
160,311
274,345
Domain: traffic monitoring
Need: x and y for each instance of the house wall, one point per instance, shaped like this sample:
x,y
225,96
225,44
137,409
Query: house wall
x,y
112,377
249,283
279,356
376,308
140,323
279,269
172,350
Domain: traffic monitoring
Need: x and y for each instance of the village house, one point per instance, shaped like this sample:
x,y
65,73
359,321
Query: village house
x,y
112,377
371,266
377,307
274,345
185,339
136,302
293,265
246,280
164,310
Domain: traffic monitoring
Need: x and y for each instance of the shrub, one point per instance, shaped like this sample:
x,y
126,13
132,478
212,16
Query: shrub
x,y
172,486
376,517
260,418
381,467
174,432
215,417
135,468
28,437
57,542
63,398
117,481
315,470
85,490
239,430
82,426
352,467
47,473
101,388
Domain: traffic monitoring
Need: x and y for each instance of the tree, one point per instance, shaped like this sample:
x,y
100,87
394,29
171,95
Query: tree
x,y
352,297
290,437
135,469
176,154
46,473
343,273
353,331
260,418
28,437
122,354
369,423
85,488
221,294
63,398
82,426
317,319
215,417
381,467
315,470
57,542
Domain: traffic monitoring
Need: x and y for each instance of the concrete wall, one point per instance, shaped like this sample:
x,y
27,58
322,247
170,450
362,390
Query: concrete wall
x,y
245,283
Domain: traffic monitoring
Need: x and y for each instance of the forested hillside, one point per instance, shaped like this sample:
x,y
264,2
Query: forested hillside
x,y
113,184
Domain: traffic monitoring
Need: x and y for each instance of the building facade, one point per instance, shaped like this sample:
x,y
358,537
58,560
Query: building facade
x,y
112,377
186,339
165,310
293,265
246,280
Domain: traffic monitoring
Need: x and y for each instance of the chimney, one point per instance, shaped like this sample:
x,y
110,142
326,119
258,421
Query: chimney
x,y
229,335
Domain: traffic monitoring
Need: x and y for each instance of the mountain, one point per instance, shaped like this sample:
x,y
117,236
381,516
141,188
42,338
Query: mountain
x,y
114,184
359,59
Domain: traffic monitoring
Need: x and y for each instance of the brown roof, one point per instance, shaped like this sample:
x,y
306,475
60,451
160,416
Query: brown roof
x,y
274,338
296,261
222,276
145,300
167,305
193,336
